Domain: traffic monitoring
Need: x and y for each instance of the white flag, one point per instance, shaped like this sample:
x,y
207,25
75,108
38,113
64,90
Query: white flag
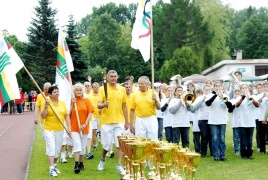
x,y
64,66
141,32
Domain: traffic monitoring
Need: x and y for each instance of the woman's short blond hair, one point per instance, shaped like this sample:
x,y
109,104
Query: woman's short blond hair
x,y
80,86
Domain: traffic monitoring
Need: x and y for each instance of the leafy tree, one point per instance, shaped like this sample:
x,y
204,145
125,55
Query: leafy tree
x,y
217,16
83,25
184,61
96,73
79,62
42,46
132,8
180,24
103,36
130,60
249,38
120,13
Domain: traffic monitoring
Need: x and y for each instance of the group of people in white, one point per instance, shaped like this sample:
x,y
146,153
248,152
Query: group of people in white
x,y
136,108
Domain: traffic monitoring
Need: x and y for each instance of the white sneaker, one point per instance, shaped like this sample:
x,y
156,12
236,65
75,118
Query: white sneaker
x,y
56,170
52,173
63,160
108,154
119,168
70,155
101,165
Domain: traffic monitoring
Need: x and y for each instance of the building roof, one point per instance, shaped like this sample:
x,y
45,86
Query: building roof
x,y
234,62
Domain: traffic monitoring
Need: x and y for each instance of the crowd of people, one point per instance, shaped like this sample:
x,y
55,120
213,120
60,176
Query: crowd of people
x,y
26,102
164,112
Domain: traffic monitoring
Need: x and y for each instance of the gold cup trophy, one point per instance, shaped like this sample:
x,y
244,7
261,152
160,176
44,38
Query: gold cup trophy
x,y
171,161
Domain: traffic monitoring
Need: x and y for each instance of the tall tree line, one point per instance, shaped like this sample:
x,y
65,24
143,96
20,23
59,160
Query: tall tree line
x,y
189,36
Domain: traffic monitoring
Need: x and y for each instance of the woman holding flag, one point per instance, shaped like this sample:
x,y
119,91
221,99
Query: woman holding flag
x,y
80,117
53,128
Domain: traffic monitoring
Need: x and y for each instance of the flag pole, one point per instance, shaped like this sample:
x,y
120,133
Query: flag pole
x,y
75,106
152,46
45,98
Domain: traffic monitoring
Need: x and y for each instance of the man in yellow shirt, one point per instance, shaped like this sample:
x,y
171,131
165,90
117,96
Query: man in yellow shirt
x,y
95,116
88,88
144,104
89,94
40,103
129,98
113,116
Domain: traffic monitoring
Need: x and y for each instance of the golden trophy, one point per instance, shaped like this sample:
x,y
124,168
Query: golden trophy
x,y
193,161
163,157
182,165
125,152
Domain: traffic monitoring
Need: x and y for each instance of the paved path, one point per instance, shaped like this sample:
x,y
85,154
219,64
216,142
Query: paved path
x,y
16,137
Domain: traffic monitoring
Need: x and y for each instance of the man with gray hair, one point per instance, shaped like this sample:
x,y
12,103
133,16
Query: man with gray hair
x,y
113,117
40,103
144,104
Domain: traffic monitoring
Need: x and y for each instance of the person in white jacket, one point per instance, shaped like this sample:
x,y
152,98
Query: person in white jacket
x,y
247,121
181,120
203,113
167,116
235,120
218,116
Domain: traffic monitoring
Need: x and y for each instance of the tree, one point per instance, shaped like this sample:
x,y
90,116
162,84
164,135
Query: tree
x,y
103,41
42,45
184,61
249,38
95,73
217,16
120,13
130,60
79,62
178,24
83,25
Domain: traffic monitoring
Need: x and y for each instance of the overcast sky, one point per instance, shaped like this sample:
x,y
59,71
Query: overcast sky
x,y
16,15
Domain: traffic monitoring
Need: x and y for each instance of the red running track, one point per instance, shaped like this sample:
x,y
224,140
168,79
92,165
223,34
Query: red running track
x,y
16,137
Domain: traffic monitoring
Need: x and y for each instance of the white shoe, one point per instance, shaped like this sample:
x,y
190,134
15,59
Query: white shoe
x,y
119,168
70,155
108,154
63,160
101,165
56,170
52,173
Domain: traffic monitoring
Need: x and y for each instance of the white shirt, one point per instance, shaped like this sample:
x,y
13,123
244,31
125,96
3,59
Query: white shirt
x,y
235,116
195,122
247,118
167,116
218,112
179,113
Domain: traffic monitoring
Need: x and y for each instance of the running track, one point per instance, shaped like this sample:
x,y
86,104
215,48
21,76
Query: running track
x,y
16,137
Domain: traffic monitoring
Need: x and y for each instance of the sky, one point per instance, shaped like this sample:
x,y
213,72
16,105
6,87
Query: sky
x,y
16,15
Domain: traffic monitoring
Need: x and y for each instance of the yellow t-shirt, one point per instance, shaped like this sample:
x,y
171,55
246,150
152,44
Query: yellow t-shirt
x,y
143,103
133,89
94,101
51,122
117,97
129,98
40,102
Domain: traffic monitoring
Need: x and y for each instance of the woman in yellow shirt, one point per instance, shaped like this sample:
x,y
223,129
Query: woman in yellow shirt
x,y
53,129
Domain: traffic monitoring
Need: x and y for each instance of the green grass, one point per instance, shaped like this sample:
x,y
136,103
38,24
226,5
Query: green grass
x,y
233,168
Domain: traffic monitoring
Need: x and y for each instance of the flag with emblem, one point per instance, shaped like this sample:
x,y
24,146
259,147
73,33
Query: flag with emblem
x,y
64,65
141,32
10,64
